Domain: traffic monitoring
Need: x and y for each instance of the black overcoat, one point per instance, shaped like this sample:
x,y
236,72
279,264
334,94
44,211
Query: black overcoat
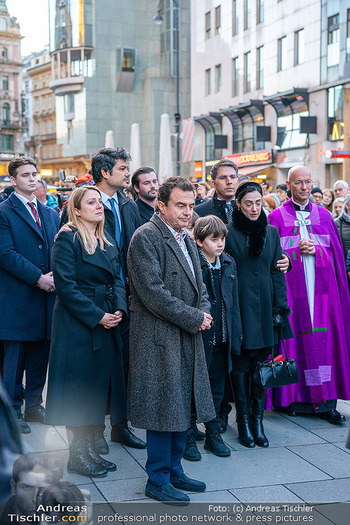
x,y
82,351
229,292
167,361
261,286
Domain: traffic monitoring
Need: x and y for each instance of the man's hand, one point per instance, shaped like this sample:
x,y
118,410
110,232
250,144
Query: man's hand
x,y
206,322
46,282
283,264
307,247
109,321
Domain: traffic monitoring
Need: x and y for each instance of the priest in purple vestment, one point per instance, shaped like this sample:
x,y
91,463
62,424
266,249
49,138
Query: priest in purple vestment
x,y
319,299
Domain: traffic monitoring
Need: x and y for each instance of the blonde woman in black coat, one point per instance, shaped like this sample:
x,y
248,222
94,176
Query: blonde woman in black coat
x,y
255,246
85,344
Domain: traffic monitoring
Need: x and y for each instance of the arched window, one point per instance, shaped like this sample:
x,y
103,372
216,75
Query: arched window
x,y
6,113
3,24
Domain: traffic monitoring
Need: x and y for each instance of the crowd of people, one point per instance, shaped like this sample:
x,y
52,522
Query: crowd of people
x,y
158,311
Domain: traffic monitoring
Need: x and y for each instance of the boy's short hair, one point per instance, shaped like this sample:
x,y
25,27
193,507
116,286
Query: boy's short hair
x,y
209,225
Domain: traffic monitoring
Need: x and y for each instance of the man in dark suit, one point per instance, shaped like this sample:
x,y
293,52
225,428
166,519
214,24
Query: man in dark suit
x,y
110,171
27,230
145,184
224,179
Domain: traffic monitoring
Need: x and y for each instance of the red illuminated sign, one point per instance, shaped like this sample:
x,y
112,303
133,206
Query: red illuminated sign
x,y
247,159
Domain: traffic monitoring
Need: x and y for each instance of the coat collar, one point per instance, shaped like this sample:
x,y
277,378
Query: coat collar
x,y
21,210
173,245
101,259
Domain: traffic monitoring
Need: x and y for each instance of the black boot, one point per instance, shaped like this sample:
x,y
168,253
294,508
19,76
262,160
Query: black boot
x,y
191,451
96,458
223,415
241,389
100,443
258,396
80,463
214,443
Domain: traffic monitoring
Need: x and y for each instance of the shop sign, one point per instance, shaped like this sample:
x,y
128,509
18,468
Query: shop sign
x,y
250,159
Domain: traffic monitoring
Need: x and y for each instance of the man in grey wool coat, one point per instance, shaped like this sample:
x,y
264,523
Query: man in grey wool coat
x,y
169,308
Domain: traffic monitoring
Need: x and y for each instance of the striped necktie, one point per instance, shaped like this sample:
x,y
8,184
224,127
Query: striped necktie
x,y
35,213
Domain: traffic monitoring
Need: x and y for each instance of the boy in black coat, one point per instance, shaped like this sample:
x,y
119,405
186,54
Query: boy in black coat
x,y
225,336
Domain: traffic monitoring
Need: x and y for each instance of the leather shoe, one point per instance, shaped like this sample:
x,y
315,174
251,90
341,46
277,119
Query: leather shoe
x,y
24,428
35,415
122,434
183,482
333,416
167,494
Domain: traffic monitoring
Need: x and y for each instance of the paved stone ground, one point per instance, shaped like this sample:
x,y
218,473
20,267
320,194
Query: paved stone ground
x,y
306,462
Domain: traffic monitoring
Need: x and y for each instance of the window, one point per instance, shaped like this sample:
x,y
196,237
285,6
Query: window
x,y
44,127
333,50
69,105
37,128
288,131
26,86
4,53
5,83
247,72
259,11
234,18
247,14
260,67
348,35
299,47
282,53
37,104
335,113
235,76
7,142
218,78
44,104
207,25
49,102
3,24
6,113
217,20
207,81
50,127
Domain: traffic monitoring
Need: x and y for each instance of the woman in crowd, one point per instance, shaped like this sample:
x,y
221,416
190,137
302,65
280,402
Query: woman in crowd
x,y
255,246
338,206
328,199
85,344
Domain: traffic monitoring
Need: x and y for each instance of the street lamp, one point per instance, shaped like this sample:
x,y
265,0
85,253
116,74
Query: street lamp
x,y
158,19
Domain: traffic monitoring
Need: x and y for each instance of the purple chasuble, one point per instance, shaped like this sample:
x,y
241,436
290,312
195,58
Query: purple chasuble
x,y
321,350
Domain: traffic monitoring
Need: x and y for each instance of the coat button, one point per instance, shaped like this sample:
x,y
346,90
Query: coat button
x,y
232,276
255,273
174,274
241,338
257,292
214,301
40,246
42,267
210,343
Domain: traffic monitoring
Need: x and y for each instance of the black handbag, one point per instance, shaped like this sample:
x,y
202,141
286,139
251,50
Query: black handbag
x,y
270,374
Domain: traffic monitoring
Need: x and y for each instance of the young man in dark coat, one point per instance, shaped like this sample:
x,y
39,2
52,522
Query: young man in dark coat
x,y
110,171
145,184
225,336
169,309
27,230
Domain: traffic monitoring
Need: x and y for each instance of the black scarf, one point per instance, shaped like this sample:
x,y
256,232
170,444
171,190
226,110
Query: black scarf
x,y
255,230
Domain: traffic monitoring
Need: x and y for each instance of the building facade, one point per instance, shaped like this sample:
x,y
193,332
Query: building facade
x,y
112,67
269,85
12,125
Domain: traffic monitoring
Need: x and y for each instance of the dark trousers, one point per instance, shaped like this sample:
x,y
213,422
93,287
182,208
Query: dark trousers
x,y
217,376
248,359
31,357
164,454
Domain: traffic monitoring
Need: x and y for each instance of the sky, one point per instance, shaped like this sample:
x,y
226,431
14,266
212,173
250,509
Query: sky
x,y
32,16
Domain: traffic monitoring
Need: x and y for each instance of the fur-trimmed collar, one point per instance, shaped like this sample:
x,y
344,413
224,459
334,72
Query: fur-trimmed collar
x,y
255,231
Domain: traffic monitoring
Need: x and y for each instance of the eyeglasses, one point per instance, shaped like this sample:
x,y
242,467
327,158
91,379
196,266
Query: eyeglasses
x,y
227,177
301,182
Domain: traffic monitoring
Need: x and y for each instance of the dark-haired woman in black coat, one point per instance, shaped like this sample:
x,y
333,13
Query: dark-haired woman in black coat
x,y
255,246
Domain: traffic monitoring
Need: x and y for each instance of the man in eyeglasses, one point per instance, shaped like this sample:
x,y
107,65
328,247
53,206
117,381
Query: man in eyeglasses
x,y
319,299
224,179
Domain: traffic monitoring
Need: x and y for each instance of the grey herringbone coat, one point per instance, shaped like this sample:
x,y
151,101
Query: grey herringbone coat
x,y
167,360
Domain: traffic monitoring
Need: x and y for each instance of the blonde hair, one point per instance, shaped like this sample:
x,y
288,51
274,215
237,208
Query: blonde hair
x,y
88,238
